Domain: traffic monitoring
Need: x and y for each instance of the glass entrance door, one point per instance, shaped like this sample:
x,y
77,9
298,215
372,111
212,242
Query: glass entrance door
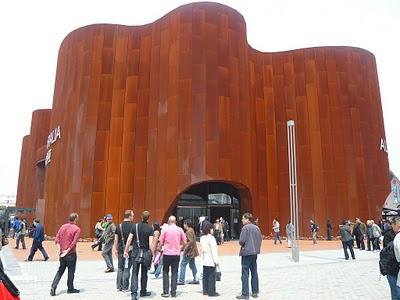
x,y
191,212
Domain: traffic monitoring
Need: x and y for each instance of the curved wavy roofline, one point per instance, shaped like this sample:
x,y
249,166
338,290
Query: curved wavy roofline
x,y
206,5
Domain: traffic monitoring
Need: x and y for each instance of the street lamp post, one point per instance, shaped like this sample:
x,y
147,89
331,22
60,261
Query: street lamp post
x,y
294,205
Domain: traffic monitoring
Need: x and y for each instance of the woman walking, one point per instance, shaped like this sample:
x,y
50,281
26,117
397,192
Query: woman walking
x,y
209,255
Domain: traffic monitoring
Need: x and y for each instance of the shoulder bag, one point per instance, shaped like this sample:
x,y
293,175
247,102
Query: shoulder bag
x,y
144,256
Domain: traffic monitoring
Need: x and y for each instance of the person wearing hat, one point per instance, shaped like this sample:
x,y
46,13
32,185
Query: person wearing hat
x,y
108,239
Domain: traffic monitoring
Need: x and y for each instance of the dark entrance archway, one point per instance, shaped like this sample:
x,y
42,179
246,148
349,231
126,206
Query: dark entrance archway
x,y
213,199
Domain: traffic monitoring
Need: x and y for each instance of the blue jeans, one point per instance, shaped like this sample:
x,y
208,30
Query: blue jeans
x,y
192,265
277,237
249,262
123,273
159,268
349,245
393,288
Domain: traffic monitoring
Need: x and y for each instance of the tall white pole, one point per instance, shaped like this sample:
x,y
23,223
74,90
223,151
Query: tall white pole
x,y
294,207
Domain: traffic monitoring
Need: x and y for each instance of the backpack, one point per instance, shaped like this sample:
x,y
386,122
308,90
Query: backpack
x,y
387,260
8,291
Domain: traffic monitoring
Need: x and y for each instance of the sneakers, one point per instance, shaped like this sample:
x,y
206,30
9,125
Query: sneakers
x,y
254,295
242,297
52,292
108,270
165,295
73,291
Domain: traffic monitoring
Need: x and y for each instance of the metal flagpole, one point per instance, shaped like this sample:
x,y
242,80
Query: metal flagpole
x,y
294,207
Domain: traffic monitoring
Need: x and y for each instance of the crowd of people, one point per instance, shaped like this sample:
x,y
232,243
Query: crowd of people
x,y
167,248
360,232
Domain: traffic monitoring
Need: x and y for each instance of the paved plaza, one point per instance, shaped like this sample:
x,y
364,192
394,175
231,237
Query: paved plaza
x,y
321,274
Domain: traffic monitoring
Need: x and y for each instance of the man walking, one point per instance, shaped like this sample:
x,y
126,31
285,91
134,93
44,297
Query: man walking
x,y
21,231
347,239
66,239
16,226
172,239
250,242
190,251
142,234
38,239
124,263
108,239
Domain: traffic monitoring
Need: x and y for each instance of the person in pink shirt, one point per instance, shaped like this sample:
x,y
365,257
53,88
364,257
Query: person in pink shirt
x,y
172,238
66,239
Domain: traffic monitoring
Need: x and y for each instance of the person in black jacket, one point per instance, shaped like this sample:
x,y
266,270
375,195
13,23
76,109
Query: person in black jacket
x,y
392,272
329,230
388,235
358,234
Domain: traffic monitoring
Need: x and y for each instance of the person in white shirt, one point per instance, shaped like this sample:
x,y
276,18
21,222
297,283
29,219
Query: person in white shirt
x,y
209,255
276,228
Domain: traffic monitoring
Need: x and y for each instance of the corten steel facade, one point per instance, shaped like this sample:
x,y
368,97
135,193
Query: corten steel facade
x,y
147,111
31,171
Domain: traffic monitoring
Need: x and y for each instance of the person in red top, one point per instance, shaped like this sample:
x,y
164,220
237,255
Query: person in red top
x,y
66,239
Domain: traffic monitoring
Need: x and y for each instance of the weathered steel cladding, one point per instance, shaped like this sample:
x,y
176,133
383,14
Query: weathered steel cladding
x,y
147,111
29,190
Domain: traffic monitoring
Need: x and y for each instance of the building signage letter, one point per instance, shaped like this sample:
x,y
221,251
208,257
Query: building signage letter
x,y
53,136
383,145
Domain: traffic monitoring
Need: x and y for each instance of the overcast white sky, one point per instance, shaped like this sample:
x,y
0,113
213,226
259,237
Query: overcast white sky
x,y
32,31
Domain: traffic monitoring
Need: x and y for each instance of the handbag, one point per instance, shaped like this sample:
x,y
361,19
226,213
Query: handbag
x,y
217,273
144,256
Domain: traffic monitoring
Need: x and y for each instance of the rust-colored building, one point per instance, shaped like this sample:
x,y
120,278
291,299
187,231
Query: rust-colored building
x,y
183,116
